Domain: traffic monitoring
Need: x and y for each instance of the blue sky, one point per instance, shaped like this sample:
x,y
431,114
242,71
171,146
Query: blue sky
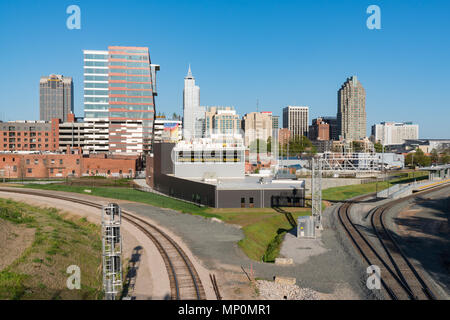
x,y
279,52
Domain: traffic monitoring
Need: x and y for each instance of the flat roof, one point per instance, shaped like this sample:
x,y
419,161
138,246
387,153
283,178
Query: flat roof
x,y
251,183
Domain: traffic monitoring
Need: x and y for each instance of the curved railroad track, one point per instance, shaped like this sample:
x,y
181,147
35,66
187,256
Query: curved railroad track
x,y
399,277
185,283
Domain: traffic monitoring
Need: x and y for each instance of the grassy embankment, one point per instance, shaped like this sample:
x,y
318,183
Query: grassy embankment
x,y
264,229
347,192
59,241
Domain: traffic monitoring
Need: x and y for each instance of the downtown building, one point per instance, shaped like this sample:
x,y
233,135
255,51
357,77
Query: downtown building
x,y
351,111
394,133
119,100
257,126
193,113
220,120
55,97
295,118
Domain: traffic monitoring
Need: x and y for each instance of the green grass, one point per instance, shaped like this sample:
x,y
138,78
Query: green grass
x,y
264,229
130,195
347,192
40,271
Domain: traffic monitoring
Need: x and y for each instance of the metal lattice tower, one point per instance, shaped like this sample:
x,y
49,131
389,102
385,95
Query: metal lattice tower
x,y
316,191
112,250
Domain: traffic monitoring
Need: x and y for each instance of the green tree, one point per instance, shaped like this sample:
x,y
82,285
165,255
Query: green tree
x,y
378,147
269,144
434,156
258,146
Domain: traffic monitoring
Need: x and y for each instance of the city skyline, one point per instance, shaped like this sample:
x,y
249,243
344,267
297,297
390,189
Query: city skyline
x,y
396,91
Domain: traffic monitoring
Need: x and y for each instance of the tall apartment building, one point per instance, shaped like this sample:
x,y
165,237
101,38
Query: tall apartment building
x,y
394,133
295,118
221,120
55,97
351,112
319,130
257,125
119,99
193,113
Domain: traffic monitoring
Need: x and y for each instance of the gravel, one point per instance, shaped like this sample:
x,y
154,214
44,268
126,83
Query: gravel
x,y
215,244
269,290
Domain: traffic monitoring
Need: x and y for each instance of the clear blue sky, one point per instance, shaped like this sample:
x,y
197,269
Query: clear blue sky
x,y
280,52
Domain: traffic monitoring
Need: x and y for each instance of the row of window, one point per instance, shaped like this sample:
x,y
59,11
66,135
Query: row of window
x,y
25,139
129,64
32,146
130,100
32,134
96,63
131,71
133,93
130,78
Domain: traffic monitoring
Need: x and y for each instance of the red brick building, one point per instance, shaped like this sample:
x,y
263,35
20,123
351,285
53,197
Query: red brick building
x,y
283,136
319,130
29,136
38,165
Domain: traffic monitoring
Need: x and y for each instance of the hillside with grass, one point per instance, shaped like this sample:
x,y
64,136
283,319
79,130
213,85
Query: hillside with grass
x,y
58,241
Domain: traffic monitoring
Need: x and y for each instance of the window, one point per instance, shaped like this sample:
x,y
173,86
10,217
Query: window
x,y
27,161
36,161
51,170
242,202
78,161
52,161
60,161
252,205
29,170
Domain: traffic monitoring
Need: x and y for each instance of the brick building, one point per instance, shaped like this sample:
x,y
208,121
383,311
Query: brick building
x,y
29,135
284,136
53,165
319,130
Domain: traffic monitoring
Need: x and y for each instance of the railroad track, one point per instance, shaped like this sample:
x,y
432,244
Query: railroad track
x,y
399,277
185,283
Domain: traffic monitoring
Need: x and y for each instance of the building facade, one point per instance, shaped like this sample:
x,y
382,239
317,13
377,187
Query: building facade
x,y
221,121
193,113
334,132
55,97
29,136
119,99
284,136
319,130
53,165
168,130
257,125
394,133
351,112
295,118
275,122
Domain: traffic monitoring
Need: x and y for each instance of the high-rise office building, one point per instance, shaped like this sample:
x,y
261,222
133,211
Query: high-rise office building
x,y
257,125
295,118
55,97
221,121
394,133
119,99
193,113
351,112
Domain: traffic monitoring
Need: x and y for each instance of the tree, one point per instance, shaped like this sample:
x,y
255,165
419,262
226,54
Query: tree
x,y
378,147
434,156
258,146
269,144
357,146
